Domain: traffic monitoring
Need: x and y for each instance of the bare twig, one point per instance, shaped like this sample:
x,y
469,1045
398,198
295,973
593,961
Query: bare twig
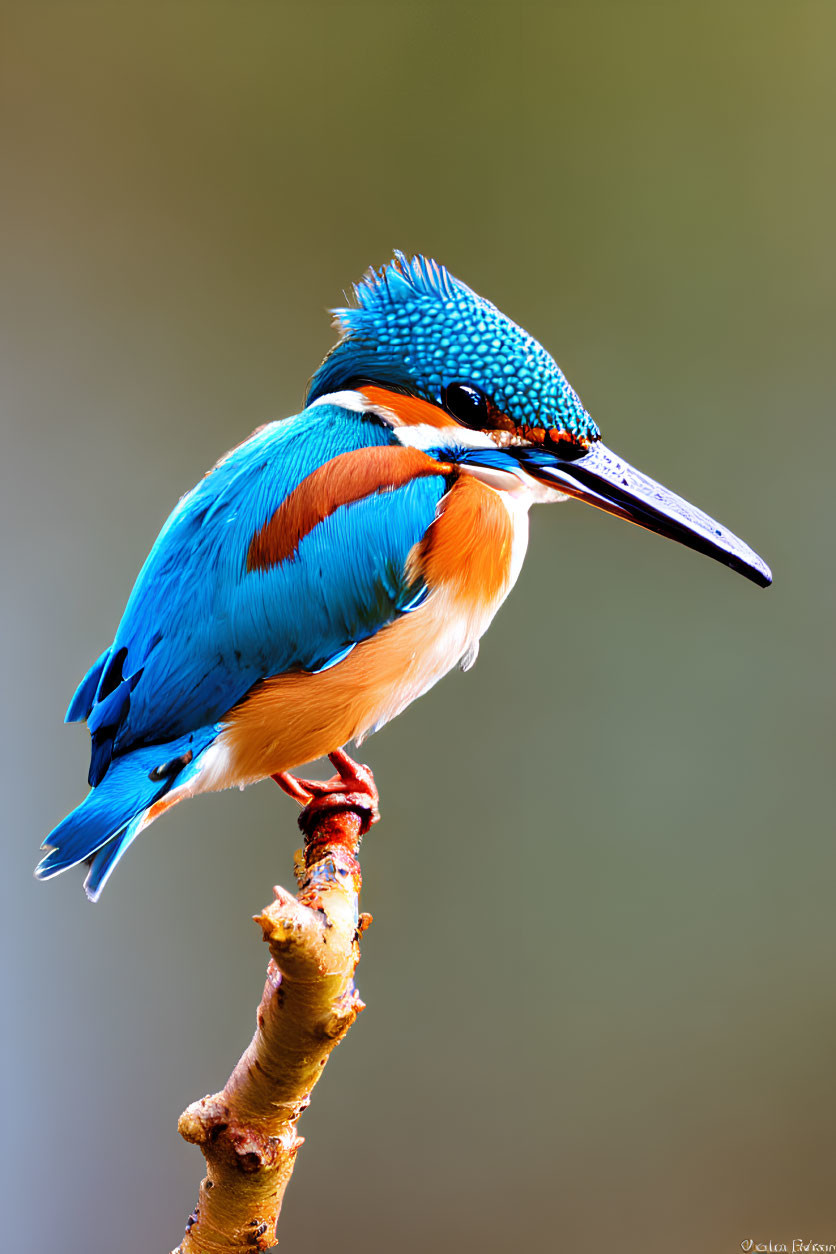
x,y
248,1132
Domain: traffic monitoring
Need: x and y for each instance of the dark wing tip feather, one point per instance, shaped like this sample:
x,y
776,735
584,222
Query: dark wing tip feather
x,y
85,694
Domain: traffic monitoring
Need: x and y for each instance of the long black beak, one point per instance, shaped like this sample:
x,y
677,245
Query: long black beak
x,y
605,481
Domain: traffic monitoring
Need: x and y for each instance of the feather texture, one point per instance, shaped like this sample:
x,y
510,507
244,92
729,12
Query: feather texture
x,y
201,627
121,802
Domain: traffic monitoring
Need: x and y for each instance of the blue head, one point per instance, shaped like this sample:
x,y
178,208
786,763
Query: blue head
x,y
417,329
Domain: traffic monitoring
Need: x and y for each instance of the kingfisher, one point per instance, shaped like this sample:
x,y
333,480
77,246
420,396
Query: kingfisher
x,y
338,563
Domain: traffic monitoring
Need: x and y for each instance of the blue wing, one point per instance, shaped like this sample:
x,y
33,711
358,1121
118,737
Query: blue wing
x,y
200,628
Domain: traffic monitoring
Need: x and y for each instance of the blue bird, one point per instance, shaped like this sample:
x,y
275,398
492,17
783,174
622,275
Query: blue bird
x,y
333,567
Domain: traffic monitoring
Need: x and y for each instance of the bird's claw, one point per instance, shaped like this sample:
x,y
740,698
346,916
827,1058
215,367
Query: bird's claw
x,y
352,788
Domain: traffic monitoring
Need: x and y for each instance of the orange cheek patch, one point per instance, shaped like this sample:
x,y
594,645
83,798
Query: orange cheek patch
x,y
409,410
349,477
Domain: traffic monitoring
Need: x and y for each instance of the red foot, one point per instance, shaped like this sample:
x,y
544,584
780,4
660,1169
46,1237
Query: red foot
x,y
352,788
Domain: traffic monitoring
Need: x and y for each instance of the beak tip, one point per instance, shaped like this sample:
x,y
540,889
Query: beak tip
x,y
602,479
751,565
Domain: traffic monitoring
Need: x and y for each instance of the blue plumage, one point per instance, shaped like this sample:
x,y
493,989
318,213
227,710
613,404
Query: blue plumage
x,y
200,629
118,803
319,533
85,694
419,329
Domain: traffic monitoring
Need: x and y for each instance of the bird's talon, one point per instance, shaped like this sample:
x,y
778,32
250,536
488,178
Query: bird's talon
x,y
295,788
352,788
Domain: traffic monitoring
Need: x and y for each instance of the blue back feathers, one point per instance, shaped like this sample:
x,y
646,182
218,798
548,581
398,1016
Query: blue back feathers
x,y
200,629
416,328
203,625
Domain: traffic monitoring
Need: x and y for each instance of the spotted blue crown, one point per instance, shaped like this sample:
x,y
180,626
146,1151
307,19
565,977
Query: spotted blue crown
x,y
417,329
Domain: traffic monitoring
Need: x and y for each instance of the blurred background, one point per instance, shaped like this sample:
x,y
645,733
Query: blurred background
x,y
601,1006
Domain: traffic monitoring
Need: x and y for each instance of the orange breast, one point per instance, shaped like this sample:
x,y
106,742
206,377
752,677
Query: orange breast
x,y
468,547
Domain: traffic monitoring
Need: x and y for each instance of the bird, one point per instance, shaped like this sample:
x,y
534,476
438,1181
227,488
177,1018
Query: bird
x,y
334,566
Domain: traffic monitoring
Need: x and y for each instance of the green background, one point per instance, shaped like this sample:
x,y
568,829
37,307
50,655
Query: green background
x,y
601,1007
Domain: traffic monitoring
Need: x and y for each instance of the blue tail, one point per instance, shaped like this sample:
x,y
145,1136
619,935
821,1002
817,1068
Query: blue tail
x,y
100,829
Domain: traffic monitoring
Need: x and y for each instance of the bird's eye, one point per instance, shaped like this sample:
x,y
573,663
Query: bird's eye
x,y
466,403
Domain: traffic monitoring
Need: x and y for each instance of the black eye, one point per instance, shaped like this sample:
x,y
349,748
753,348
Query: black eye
x,y
466,403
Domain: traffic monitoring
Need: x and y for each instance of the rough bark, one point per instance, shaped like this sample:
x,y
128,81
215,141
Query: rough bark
x,y
247,1132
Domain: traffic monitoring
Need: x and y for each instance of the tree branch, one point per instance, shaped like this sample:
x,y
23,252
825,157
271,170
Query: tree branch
x,y
248,1131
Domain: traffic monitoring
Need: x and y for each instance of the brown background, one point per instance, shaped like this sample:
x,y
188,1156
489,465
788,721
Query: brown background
x,y
600,979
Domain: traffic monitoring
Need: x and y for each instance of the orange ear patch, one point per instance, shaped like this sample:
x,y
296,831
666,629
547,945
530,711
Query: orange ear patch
x,y
409,410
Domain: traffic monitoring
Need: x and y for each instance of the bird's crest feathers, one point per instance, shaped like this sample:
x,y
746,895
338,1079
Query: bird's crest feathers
x,y
416,328
402,280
